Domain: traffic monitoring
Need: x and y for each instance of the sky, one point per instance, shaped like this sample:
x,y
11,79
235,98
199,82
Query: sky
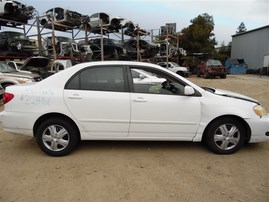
x,y
152,14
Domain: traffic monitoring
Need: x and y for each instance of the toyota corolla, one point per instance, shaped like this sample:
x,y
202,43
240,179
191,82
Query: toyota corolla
x,y
102,101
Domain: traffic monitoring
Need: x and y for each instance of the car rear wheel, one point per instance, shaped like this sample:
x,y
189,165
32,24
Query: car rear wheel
x,y
223,76
57,137
207,75
225,136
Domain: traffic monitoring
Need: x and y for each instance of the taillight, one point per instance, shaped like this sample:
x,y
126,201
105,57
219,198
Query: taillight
x,y
8,97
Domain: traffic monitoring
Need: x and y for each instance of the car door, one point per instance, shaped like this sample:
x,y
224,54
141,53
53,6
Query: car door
x,y
160,112
98,100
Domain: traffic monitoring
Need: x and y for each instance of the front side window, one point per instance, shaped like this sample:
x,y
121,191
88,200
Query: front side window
x,y
151,81
99,79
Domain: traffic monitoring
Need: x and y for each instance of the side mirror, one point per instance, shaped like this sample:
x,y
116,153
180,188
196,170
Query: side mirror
x,y
142,76
188,90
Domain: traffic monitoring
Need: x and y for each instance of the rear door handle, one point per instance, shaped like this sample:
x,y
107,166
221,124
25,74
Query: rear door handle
x,y
75,97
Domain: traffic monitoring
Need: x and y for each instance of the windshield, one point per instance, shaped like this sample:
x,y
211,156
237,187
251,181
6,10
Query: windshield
x,y
214,63
4,68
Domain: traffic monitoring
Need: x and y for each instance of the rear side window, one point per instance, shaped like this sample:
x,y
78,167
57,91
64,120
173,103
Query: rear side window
x,y
99,79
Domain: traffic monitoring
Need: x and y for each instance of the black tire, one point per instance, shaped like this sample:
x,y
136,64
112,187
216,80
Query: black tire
x,y
223,76
53,143
225,136
207,75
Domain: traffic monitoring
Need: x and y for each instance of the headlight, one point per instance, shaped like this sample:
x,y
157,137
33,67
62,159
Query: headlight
x,y
259,110
24,80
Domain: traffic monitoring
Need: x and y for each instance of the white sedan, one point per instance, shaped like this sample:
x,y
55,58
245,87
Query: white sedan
x,y
101,101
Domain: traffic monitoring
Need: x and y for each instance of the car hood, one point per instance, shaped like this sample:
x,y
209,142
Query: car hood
x,y
21,74
234,95
179,68
38,62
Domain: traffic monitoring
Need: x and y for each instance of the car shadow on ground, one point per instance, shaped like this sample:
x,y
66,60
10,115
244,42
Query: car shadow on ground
x,y
140,146
24,145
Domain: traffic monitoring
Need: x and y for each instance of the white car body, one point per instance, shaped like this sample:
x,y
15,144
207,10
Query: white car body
x,y
128,115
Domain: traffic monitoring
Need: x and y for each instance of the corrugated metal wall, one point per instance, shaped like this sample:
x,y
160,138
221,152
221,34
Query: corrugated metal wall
x,y
252,46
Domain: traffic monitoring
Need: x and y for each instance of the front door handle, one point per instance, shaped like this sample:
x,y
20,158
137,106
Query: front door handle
x,y
140,99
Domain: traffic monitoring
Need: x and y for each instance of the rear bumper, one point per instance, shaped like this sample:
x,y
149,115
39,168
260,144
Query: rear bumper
x,y
17,123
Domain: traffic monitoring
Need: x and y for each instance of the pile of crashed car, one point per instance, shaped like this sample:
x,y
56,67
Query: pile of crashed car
x,y
13,13
56,53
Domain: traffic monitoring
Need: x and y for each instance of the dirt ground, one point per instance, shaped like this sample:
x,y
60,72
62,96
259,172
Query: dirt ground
x,y
139,171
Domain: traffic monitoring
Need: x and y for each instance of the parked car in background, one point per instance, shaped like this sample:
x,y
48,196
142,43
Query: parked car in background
x,y
37,65
10,76
174,67
101,101
64,46
64,19
15,11
112,49
17,44
142,77
211,68
146,49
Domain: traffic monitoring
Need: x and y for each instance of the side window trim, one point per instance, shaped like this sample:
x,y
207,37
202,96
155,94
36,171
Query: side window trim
x,y
125,80
131,84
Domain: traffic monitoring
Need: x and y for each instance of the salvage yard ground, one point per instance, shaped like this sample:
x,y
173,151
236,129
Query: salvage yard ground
x,y
140,171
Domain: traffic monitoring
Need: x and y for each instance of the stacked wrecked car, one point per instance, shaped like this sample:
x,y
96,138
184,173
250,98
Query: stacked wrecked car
x,y
60,48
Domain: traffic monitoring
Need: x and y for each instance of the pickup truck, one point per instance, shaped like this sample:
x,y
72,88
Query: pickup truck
x,y
211,68
174,67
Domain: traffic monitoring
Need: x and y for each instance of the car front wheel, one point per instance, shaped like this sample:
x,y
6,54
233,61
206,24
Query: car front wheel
x,y
225,136
57,137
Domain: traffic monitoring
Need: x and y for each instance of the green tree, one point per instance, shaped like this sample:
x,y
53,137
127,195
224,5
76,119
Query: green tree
x,y
241,28
224,52
199,36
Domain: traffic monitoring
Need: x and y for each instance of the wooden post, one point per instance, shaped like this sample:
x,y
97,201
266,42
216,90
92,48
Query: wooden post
x,y
137,44
53,40
39,41
102,42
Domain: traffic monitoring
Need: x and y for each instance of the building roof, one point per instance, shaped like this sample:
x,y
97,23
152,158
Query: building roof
x,y
253,30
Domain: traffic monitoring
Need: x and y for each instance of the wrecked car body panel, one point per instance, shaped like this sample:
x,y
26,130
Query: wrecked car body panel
x,y
146,49
108,22
112,49
64,46
63,19
15,11
37,65
17,44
